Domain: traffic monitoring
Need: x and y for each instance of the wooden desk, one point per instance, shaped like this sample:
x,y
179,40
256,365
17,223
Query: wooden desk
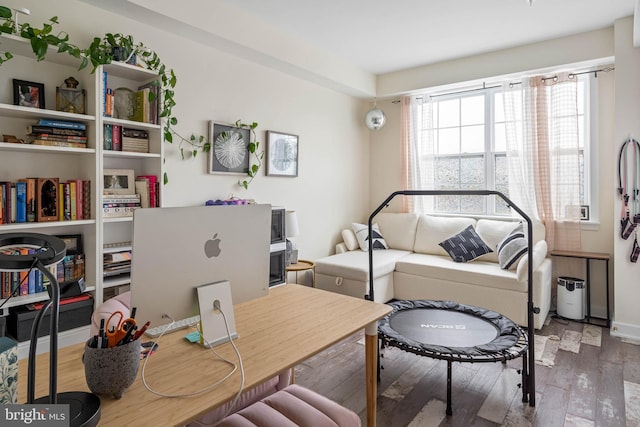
x,y
275,333
588,256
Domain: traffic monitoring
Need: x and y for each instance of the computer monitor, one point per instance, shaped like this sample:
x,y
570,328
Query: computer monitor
x,y
177,249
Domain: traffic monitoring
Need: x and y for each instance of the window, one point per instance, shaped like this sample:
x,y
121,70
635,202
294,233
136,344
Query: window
x,y
466,134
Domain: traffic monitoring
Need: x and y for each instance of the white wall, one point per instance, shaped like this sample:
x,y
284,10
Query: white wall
x,y
332,187
627,108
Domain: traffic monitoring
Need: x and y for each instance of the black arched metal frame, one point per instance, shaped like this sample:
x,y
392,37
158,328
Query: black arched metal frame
x,y
529,387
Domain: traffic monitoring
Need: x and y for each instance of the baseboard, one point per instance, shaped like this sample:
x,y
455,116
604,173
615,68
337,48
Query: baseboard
x,y
65,339
625,331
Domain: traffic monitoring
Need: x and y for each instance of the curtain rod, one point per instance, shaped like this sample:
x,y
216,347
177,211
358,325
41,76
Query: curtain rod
x,y
485,87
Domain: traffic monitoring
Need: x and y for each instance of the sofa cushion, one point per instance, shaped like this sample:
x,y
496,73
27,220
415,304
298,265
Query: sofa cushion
x,y
350,240
539,255
492,232
512,248
362,234
398,229
355,264
431,230
465,246
481,273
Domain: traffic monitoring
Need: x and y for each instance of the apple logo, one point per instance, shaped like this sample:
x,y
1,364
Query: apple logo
x,y
212,247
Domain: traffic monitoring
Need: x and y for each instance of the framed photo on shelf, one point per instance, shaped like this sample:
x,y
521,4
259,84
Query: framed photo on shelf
x,y
47,199
73,243
584,212
282,154
118,181
28,94
229,149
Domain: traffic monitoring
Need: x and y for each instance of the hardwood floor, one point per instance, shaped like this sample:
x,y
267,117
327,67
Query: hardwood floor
x,y
584,377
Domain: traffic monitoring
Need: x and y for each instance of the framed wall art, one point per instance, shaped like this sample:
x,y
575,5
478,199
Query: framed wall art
x,y
229,149
282,154
119,181
584,213
28,94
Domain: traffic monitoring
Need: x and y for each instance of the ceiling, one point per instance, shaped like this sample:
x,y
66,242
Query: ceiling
x,y
380,36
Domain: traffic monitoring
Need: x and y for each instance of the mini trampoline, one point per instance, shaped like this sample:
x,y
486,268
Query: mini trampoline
x,y
454,332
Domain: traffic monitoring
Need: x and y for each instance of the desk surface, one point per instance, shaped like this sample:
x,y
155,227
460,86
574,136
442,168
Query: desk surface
x,y
275,332
580,254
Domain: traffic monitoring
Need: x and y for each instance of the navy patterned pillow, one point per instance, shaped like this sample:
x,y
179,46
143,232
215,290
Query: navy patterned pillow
x,y
465,246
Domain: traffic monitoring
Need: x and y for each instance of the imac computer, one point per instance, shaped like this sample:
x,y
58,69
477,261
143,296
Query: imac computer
x,y
176,250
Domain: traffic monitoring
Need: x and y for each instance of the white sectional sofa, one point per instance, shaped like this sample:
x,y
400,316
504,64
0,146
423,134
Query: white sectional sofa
x,y
415,266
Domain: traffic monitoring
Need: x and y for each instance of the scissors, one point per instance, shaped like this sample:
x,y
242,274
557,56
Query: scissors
x,y
116,333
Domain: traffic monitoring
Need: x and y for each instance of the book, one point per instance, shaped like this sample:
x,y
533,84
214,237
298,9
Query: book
x,y
135,145
117,137
103,93
108,103
118,211
107,137
62,138
6,283
140,105
63,124
79,207
142,188
120,198
21,201
31,199
24,275
31,278
73,200
59,143
153,100
13,203
50,130
86,199
67,202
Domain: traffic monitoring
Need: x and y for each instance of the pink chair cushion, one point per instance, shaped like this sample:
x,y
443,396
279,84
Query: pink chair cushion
x,y
293,406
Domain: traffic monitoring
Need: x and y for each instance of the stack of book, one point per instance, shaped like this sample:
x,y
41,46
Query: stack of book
x,y
116,263
58,133
44,199
118,205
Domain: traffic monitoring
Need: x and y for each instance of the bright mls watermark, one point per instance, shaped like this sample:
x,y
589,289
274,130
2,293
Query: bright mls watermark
x,y
34,415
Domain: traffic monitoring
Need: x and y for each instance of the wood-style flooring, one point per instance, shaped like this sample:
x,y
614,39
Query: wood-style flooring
x,y
584,377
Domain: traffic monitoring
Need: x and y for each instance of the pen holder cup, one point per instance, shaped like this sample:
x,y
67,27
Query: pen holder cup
x,y
110,371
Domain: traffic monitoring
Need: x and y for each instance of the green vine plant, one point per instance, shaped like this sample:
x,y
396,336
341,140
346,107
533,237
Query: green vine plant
x,y
101,52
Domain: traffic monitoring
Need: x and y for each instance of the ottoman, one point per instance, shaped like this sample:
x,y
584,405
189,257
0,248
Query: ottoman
x,y
293,406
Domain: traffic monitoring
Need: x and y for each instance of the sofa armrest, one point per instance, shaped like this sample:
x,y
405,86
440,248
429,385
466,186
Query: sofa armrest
x,y
539,254
341,248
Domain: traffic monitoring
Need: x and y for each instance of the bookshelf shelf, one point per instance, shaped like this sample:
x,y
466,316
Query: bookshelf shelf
x,y
9,146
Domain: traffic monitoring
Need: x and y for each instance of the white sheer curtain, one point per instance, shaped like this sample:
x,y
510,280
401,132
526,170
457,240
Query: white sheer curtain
x,y
543,153
418,151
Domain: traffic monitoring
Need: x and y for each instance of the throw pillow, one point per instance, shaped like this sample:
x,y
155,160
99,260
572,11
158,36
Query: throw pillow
x,y
512,248
362,230
465,246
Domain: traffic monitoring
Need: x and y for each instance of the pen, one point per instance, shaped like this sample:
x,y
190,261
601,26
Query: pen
x,y
133,313
104,343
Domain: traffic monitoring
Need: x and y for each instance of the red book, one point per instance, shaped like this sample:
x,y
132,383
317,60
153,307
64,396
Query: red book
x,y
154,201
79,199
116,138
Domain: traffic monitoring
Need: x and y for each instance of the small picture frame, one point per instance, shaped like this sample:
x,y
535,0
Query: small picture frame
x,y
229,151
282,154
28,94
73,243
47,199
584,212
118,181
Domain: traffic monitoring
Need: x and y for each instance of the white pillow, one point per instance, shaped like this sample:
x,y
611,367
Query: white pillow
x,y
349,239
539,255
362,231
512,248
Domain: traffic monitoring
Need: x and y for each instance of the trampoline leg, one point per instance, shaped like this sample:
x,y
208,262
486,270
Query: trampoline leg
x,y
449,411
525,378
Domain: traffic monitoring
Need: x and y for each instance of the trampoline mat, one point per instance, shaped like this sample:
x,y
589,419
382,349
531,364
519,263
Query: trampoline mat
x,y
446,329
